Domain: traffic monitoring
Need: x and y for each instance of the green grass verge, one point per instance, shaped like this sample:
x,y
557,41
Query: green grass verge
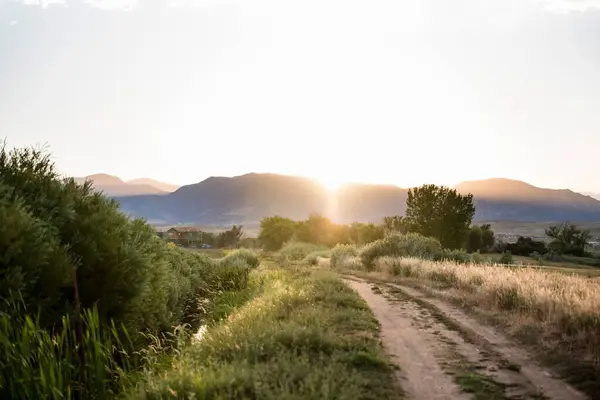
x,y
306,335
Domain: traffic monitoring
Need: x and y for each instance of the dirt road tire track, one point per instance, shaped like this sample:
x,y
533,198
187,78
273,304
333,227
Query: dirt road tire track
x,y
431,340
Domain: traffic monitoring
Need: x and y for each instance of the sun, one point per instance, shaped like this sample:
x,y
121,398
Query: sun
x,y
331,182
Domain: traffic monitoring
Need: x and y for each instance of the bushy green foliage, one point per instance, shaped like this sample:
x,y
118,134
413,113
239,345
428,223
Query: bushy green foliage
x,y
394,224
361,233
306,336
459,256
440,212
401,245
275,232
568,239
320,230
313,258
506,258
296,251
478,258
317,229
36,363
242,257
525,246
65,250
340,252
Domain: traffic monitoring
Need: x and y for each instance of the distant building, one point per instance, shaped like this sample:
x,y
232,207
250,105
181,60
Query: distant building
x,y
186,236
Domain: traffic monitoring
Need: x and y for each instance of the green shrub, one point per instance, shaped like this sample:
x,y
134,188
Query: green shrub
x,y
296,251
242,256
459,256
478,258
506,258
313,258
341,252
307,335
38,364
401,245
59,239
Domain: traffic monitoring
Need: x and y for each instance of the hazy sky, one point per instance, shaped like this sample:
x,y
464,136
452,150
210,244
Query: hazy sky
x,y
382,91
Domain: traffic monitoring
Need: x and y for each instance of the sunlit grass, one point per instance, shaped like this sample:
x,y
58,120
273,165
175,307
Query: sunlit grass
x,y
306,335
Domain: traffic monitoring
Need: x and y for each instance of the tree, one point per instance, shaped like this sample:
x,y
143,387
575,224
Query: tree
x,y
487,237
568,239
319,230
526,246
440,212
361,234
230,238
394,224
275,231
475,239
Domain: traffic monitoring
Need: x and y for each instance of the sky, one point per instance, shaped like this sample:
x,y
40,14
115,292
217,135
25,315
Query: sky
x,y
380,91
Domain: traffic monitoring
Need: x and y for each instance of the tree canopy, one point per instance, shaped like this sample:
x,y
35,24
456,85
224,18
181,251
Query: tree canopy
x,y
440,212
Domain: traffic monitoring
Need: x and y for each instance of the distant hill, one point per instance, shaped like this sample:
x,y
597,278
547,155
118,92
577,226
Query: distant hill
x,y
248,198
593,195
165,187
505,199
114,187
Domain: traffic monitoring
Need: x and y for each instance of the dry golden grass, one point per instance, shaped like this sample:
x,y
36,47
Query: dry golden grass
x,y
556,313
546,296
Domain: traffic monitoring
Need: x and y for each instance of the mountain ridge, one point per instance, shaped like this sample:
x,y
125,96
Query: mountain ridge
x,y
113,186
250,197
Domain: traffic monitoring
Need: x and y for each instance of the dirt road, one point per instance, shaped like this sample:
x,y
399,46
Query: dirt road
x,y
445,354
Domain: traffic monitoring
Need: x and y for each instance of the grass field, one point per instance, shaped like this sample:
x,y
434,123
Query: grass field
x,y
534,229
572,265
301,333
554,313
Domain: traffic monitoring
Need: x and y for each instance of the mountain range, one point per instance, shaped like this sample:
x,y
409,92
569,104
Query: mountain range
x,y
113,186
246,199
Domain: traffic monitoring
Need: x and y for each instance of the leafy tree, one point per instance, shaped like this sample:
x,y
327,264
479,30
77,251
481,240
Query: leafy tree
x,y
394,224
361,234
275,232
480,238
475,239
440,212
231,237
526,246
319,230
487,237
568,239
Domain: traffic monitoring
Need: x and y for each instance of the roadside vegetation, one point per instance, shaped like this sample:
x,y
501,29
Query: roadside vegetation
x,y
304,335
437,248
97,306
87,292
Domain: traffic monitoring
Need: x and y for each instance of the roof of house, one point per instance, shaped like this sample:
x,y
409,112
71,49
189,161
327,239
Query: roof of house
x,y
186,229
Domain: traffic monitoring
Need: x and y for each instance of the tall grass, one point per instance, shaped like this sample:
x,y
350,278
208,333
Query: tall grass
x,y
297,251
66,363
305,336
556,313
78,268
242,257
313,258
341,252
401,245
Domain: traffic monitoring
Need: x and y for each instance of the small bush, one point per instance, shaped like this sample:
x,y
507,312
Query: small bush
x,y
247,256
296,251
459,256
313,258
401,245
525,246
478,258
350,264
506,258
340,252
